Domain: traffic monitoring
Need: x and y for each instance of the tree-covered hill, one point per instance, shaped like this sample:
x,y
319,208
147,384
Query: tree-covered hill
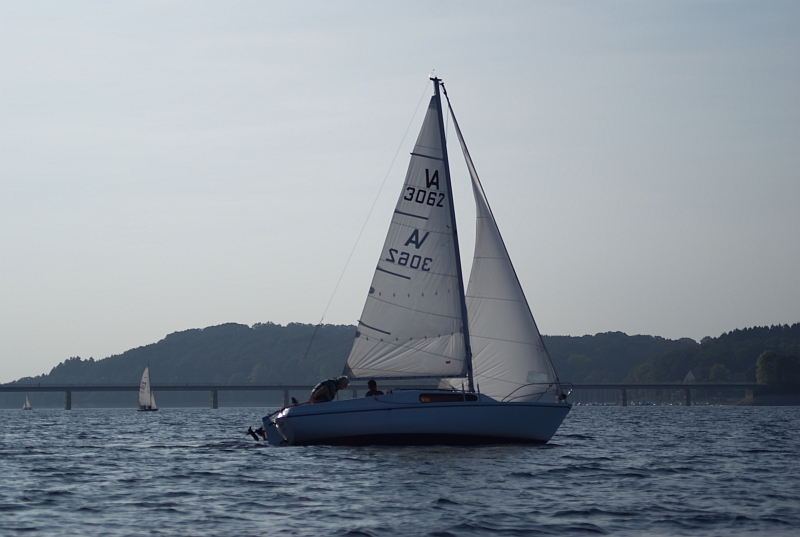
x,y
605,357
780,373
226,354
271,354
730,357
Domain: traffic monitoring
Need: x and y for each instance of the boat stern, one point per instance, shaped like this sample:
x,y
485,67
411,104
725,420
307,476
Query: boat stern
x,y
278,429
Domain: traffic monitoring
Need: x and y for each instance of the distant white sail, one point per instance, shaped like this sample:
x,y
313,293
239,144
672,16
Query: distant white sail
x,y
145,394
509,359
27,405
411,325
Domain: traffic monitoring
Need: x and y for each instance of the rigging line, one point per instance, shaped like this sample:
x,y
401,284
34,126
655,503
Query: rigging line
x,y
360,233
447,119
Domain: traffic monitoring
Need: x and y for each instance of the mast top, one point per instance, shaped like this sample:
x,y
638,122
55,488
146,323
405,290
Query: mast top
x,y
464,319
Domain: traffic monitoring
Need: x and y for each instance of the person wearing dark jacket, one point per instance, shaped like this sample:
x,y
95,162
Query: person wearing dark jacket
x,y
373,389
326,390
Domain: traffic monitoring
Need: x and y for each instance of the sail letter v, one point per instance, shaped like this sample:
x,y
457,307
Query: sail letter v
x,y
415,240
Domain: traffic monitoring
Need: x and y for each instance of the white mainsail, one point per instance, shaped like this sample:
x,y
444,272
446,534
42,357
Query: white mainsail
x,y
411,325
27,405
509,359
145,394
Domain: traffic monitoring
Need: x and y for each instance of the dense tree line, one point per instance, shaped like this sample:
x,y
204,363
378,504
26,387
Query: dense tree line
x,y
605,357
265,353
225,354
779,372
730,357
268,353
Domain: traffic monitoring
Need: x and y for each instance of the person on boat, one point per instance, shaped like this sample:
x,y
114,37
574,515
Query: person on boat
x,y
373,389
326,390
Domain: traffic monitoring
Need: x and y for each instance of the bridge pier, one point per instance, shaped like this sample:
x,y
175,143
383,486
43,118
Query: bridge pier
x,y
214,399
285,398
687,397
67,399
623,397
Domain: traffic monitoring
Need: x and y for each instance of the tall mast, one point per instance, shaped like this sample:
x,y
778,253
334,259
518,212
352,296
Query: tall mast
x,y
464,321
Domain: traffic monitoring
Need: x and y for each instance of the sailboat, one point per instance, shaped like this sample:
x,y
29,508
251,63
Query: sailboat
x,y
147,400
496,384
27,405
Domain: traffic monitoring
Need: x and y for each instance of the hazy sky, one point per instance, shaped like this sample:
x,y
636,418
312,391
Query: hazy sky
x,y
174,165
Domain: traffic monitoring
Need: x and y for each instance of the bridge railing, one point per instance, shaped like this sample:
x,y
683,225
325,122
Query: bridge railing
x,y
213,389
749,388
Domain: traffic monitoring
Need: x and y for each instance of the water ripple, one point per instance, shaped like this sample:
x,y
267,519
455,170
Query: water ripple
x,y
609,471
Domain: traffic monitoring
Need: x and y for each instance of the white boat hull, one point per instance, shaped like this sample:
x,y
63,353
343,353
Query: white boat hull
x,y
401,418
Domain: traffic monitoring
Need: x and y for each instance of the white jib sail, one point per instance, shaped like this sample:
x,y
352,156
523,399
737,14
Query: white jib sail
x,y
411,325
144,388
153,399
509,359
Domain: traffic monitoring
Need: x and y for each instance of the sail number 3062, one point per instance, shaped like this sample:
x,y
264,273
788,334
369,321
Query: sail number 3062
x,y
407,260
424,197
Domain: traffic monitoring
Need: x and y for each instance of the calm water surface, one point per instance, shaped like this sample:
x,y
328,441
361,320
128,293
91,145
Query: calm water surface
x,y
609,470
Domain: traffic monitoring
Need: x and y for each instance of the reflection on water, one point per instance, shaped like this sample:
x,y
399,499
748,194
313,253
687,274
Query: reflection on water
x,y
612,470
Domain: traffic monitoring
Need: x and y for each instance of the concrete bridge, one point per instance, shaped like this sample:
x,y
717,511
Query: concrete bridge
x,y
213,389
749,389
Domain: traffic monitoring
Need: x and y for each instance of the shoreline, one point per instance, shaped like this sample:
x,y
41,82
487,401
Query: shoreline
x,y
772,400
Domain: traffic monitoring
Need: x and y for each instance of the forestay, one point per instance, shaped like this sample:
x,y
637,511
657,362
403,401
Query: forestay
x,y
411,325
509,359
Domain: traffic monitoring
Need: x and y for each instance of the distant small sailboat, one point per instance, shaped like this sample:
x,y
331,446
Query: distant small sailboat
x,y
27,405
147,400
